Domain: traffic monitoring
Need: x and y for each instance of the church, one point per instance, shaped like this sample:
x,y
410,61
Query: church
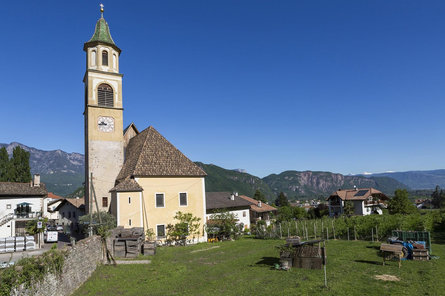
x,y
138,176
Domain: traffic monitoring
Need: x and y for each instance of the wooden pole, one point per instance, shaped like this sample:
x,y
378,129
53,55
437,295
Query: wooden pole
x,y
327,233
377,233
355,233
307,235
323,253
333,228
288,233
296,228
315,231
372,234
348,233
281,234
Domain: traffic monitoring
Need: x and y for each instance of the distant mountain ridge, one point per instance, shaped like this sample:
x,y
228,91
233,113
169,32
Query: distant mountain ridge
x,y
417,179
63,173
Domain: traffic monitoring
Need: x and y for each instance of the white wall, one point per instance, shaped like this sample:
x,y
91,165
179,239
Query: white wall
x,y
239,214
8,229
35,204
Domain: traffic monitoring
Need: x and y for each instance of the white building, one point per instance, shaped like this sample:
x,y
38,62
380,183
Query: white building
x,y
218,202
19,203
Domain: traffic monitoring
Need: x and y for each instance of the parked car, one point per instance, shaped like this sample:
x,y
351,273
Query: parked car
x,y
59,228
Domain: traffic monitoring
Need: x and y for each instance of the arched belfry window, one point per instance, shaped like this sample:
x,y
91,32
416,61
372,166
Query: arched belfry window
x,y
105,95
104,58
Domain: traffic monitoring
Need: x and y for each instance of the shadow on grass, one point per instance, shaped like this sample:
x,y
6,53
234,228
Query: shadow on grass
x,y
373,247
369,262
271,261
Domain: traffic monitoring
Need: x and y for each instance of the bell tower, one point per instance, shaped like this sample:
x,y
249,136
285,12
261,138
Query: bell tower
x,y
104,148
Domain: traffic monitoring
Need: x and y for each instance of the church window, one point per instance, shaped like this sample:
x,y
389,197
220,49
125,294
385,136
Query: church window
x,y
114,61
93,58
104,202
160,200
160,231
129,200
183,199
129,222
104,58
105,95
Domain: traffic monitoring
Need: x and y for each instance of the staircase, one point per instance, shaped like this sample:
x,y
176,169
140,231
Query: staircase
x,y
6,219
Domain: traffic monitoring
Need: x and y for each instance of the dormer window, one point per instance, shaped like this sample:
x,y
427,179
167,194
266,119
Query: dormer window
x,y
104,58
105,95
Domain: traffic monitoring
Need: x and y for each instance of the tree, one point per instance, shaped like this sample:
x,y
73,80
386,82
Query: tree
x,y
20,171
223,226
281,200
4,165
108,222
348,209
438,198
259,196
400,203
188,225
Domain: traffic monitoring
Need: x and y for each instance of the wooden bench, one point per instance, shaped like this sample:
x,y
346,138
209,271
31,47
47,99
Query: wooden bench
x,y
390,251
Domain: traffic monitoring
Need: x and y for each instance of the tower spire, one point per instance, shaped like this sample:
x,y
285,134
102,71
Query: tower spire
x,y
101,10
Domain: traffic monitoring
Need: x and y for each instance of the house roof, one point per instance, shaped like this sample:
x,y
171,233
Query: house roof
x,y
254,205
149,154
358,194
22,189
127,185
53,196
221,200
78,203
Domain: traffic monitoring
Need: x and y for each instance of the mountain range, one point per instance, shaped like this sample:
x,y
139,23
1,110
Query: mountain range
x,y
63,173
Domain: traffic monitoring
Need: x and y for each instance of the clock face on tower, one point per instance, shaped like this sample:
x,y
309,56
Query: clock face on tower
x,y
105,124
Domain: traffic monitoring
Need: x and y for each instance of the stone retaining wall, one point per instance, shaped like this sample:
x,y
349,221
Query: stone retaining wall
x,y
81,261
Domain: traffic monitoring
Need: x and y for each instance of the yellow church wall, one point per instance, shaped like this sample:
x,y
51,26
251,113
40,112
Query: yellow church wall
x,y
170,187
130,211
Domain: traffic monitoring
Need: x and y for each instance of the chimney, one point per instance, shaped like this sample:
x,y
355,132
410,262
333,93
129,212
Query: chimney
x,y
232,196
355,188
236,193
259,203
36,181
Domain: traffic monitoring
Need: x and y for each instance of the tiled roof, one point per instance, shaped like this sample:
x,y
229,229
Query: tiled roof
x,y
78,203
21,189
149,154
53,196
101,35
221,200
358,194
127,185
254,205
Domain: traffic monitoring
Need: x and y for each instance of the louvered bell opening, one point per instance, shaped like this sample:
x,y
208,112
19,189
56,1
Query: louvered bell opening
x,y
105,95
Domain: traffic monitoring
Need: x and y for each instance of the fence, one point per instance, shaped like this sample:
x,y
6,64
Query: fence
x,y
372,228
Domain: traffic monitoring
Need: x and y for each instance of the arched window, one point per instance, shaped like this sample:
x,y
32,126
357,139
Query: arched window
x,y
105,95
104,58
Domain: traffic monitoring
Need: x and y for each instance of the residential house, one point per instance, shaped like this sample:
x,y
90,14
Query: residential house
x,y
259,210
69,211
365,201
218,202
19,203
50,203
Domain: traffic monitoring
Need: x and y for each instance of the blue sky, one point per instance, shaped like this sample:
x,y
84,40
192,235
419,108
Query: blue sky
x,y
268,86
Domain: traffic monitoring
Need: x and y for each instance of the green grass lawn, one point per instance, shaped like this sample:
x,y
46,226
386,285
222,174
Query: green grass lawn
x,y
245,267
